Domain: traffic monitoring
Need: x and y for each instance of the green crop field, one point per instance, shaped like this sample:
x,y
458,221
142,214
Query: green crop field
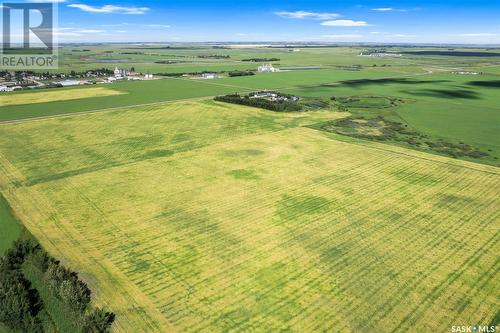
x,y
201,216
10,228
52,96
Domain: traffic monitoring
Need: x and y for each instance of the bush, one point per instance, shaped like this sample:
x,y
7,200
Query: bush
x,y
65,285
98,321
19,303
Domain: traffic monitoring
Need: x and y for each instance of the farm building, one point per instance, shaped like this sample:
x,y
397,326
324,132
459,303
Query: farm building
x,y
69,83
209,76
120,73
266,69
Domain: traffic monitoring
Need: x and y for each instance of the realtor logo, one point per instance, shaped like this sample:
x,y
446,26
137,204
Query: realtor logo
x,y
28,36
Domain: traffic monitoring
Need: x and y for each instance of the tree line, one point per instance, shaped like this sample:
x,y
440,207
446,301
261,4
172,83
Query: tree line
x,y
261,59
276,106
20,303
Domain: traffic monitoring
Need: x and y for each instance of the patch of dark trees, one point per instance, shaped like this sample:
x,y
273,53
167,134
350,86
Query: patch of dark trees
x,y
230,73
261,59
398,132
276,106
213,56
240,73
20,303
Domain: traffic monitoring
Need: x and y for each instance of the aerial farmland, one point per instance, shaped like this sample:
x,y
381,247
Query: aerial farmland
x,y
351,188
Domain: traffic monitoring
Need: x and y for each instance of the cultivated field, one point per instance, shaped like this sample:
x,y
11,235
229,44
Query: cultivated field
x,y
10,228
55,95
208,217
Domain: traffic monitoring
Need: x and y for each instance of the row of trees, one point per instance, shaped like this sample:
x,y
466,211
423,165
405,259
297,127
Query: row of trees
x,y
261,59
277,106
240,73
20,304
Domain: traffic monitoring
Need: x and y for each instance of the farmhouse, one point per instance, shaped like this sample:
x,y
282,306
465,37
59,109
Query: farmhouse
x,y
209,76
273,96
266,69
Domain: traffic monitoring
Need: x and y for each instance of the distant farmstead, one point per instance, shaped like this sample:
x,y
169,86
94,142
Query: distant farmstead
x,y
209,76
120,73
266,69
70,83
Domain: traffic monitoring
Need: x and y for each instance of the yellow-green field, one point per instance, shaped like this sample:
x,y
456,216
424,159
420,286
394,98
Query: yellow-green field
x,y
56,95
207,217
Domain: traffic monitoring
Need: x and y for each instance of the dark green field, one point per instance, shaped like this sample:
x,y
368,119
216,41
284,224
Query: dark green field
x,y
10,229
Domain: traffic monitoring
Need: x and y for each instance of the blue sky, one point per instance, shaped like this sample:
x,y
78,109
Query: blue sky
x,y
410,21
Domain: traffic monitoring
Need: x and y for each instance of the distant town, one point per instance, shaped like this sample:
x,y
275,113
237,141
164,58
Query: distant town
x,y
12,81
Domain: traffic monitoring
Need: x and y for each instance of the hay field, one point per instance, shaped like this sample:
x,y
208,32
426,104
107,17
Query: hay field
x,y
56,95
206,217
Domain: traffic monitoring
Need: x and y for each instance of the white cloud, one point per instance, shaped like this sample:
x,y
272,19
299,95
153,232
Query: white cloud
x,y
110,9
305,15
391,9
344,23
157,26
401,36
347,36
383,9
477,34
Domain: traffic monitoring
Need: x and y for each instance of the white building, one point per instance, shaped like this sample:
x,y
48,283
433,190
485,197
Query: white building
x,y
266,69
120,73
69,83
209,76
466,73
4,88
